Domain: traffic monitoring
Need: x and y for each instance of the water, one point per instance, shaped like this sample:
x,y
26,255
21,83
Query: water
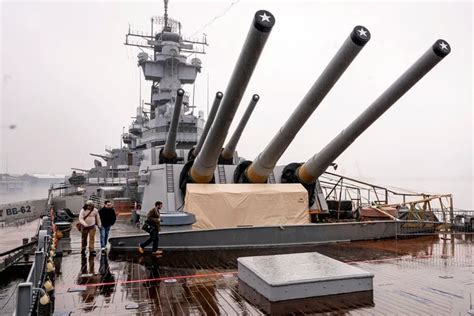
x,y
13,233
8,286
30,192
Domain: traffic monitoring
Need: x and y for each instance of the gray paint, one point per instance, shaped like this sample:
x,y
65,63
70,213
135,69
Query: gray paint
x,y
263,237
210,120
169,151
73,202
301,275
317,164
229,149
206,161
265,162
21,210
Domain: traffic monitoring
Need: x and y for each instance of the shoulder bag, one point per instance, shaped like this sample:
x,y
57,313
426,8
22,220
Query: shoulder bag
x,y
79,225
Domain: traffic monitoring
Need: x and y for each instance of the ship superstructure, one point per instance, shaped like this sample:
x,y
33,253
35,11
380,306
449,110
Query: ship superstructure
x,y
168,68
162,131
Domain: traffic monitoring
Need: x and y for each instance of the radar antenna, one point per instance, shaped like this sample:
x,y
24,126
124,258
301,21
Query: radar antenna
x,y
166,12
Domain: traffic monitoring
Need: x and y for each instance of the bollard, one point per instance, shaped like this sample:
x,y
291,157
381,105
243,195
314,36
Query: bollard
x,y
23,301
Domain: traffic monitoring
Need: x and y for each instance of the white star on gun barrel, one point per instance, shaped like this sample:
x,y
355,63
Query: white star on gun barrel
x,y
362,32
265,17
443,45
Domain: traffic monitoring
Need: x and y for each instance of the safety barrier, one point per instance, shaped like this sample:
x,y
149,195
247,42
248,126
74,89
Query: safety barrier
x,y
32,295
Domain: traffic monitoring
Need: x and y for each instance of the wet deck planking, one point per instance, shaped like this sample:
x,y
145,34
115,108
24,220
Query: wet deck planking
x,y
424,275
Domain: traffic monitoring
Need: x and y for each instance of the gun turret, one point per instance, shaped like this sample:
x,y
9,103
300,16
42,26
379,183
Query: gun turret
x,y
202,170
259,170
307,173
168,153
227,155
215,106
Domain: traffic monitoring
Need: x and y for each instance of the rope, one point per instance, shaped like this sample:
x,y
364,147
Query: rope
x,y
11,295
215,18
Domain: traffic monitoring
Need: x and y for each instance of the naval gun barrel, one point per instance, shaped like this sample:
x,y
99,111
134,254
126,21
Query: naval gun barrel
x,y
205,163
100,156
210,120
263,165
317,164
79,169
228,152
168,154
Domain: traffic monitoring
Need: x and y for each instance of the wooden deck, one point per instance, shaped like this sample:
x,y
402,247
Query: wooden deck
x,y
425,275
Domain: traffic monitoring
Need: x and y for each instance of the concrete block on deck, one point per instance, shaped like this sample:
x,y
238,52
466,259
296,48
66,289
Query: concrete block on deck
x,y
301,275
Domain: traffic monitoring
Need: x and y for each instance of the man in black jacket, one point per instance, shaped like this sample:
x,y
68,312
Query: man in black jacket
x,y
107,217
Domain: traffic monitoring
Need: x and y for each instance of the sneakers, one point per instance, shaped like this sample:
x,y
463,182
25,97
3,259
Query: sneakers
x,y
92,253
157,253
140,249
103,249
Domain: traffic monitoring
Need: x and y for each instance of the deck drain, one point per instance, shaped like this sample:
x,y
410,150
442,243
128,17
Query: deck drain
x,y
131,306
76,289
170,281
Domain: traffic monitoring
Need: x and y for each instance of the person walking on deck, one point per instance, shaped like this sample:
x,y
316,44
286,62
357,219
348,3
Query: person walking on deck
x,y
88,218
108,216
153,219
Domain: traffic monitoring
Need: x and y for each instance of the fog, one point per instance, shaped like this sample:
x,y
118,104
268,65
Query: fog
x,y
70,85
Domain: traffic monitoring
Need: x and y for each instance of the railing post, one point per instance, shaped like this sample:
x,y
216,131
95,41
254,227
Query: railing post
x,y
23,302
46,223
41,239
451,212
38,267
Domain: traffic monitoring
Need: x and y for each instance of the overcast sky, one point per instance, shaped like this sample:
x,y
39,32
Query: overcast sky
x,y
69,83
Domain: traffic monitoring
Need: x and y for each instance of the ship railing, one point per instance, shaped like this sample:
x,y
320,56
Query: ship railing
x,y
361,194
98,201
11,256
107,180
30,291
161,136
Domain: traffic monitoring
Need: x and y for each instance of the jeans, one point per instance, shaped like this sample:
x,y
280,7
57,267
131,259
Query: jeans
x,y
104,236
153,238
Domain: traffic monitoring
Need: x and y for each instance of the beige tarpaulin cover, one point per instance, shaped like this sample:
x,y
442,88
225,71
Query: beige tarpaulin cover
x,y
232,205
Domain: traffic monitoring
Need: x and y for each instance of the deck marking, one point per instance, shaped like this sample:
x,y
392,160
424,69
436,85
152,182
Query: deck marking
x,y
444,293
193,276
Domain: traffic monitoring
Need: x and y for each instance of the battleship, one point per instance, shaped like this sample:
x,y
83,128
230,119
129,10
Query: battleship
x,y
168,147
174,155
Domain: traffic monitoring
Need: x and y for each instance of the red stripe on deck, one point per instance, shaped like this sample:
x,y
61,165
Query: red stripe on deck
x,y
152,279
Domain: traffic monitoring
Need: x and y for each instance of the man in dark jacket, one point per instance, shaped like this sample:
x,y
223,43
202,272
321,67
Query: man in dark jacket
x,y
153,219
107,217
